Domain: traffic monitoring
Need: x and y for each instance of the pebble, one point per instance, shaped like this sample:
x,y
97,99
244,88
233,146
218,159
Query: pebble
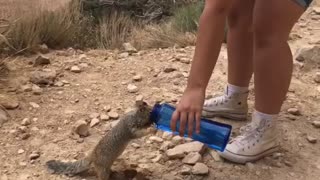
x,y
25,136
294,111
113,115
58,84
156,139
94,115
185,170
104,117
22,129
94,122
157,158
169,69
83,57
177,140
81,128
250,166
36,90
166,145
311,139
34,155
192,158
180,150
123,55
45,77
34,105
21,164
215,155
288,163
26,122
75,69
43,48
9,104
185,60
291,174
41,60
317,77
132,88
135,145
316,124
139,98
277,155
167,135
26,88
200,169
20,151
129,48
137,78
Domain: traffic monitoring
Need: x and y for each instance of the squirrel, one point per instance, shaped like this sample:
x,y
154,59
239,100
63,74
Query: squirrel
x,y
135,124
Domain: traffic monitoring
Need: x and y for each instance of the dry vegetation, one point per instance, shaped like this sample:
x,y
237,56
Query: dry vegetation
x,y
62,24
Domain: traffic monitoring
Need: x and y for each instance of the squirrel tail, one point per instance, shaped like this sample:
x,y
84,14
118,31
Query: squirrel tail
x,y
68,168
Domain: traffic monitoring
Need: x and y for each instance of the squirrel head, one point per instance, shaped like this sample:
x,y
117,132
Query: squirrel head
x,y
140,124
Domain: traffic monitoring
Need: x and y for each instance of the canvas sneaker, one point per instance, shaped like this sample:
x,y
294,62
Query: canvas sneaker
x,y
258,139
233,106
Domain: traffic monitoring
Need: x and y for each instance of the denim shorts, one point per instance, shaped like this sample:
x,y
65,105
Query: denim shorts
x,y
304,3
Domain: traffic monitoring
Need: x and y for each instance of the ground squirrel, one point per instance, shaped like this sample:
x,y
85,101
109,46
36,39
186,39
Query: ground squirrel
x,y
132,125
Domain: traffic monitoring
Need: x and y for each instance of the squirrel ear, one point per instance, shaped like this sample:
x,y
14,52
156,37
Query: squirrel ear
x,y
141,104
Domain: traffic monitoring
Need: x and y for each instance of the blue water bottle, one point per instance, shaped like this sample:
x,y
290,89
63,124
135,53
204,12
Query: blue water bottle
x,y
214,134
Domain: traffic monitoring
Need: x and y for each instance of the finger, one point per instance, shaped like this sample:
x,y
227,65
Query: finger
x,y
174,119
190,123
198,120
183,121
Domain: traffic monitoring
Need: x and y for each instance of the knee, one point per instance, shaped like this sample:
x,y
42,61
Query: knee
x,y
239,20
266,37
218,7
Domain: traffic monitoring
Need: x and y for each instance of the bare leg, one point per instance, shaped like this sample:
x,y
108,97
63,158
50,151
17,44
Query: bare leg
x,y
240,43
273,21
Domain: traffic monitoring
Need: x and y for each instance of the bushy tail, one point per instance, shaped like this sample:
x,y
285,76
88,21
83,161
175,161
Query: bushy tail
x,y
68,168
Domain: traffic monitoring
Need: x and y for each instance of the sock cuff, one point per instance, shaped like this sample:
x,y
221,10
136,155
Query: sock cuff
x,y
236,89
265,116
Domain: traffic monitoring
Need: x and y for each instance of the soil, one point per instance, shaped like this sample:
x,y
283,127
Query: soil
x,y
102,83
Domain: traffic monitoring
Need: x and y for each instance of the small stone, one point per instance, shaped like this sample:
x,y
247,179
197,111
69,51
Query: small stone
x,y
43,48
156,139
135,145
185,60
26,122
316,124
81,128
94,122
83,65
34,155
104,117
41,60
317,77
166,145
129,48
113,115
45,77
185,170
132,88
294,111
26,88
180,150
215,155
137,78
169,69
22,129
75,69
311,139
9,104
157,158
200,169
58,84
20,151
34,105
139,98
114,123
123,55
192,158
167,135
277,155
22,164
258,173
25,136
94,115
288,163
83,57
36,90
291,174
316,10
250,166
177,140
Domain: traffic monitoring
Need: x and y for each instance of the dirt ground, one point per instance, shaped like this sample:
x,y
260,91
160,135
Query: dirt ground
x,y
102,84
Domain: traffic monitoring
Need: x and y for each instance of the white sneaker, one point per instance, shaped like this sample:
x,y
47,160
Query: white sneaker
x,y
233,106
258,140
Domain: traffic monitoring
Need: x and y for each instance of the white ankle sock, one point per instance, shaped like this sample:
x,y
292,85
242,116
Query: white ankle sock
x,y
263,119
232,89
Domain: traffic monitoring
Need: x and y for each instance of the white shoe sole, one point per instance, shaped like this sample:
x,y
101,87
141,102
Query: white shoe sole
x,y
229,115
241,159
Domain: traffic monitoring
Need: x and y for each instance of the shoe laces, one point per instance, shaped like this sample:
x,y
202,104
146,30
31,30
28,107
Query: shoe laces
x,y
220,100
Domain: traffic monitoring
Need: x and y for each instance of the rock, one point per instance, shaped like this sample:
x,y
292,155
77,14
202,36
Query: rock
x,y
192,158
311,139
132,88
25,136
34,105
135,145
36,90
294,111
43,48
34,155
309,54
185,60
185,170
316,10
157,158
137,78
94,122
180,150
81,128
75,69
94,115
83,57
58,84
123,55
26,88
113,115
250,166
8,103
215,156
167,135
43,77
129,48
169,69
26,122
166,145
104,117
177,140
139,98
277,155
316,124
41,60
114,123
83,65
317,77
20,151
288,163
200,169
156,139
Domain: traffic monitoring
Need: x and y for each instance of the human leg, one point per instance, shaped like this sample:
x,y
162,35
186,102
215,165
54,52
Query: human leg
x,y
233,104
272,70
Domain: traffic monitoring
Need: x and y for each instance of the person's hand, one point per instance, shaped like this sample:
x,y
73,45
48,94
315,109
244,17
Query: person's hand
x,y
188,110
